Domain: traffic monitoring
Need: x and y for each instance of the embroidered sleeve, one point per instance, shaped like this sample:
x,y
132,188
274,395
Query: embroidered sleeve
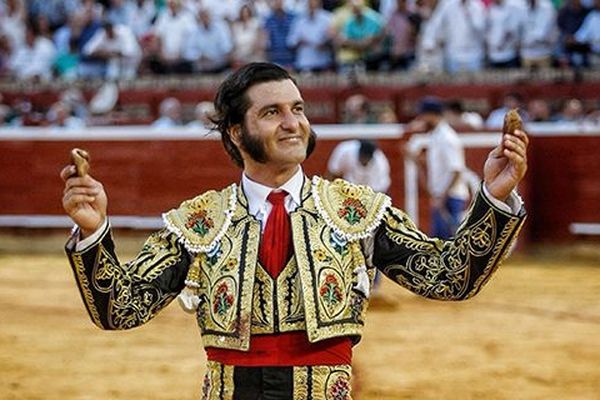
x,y
446,270
352,211
123,296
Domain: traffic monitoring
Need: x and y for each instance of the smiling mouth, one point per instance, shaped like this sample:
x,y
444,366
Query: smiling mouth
x,y
291,139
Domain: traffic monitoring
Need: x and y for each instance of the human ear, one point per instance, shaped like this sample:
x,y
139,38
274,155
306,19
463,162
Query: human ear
x,y
235,133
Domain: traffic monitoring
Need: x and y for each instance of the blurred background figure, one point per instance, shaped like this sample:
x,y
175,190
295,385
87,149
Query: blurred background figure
x,y
310,38
502,34
495,119
589,34
538,34
118,47
571,111
170,113
401,28
209,44
170,34
362,35
277,29
360,162
61,115
446,185
569,20
248,37
456,115
429,52
460,26
34,59
203,113
538,111
358,111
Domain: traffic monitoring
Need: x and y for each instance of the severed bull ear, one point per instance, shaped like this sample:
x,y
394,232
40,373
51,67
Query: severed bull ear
x,y
512,122
81,159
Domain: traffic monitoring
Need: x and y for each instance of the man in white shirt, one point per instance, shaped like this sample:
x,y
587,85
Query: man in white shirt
x,y
209,44
539,34
447,188
117,45
35,58
360,162
502,33
460,26
310,37
278,270
172,30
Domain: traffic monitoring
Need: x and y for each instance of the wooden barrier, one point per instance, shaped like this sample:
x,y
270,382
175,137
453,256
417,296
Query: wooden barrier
x,y
150,173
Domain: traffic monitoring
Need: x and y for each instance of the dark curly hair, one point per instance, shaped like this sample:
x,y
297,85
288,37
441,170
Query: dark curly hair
x,y
232,102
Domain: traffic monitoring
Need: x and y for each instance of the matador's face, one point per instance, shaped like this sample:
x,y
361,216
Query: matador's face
x,y
275,125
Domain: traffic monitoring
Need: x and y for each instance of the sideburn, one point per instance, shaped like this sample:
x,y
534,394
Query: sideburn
x,y
256,147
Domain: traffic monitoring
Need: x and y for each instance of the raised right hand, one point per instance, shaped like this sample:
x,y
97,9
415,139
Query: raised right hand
x,y
84,200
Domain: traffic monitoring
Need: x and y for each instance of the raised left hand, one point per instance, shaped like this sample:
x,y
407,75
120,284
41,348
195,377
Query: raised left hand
x,y
506,165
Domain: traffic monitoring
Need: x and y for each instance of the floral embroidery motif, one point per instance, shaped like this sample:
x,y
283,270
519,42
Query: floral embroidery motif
x,y
353,211
213,255
338,243
321,256
223,300
199,222
330,291
340,390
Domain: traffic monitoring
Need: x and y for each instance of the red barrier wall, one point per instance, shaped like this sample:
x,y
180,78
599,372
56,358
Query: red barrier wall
x,y
149,177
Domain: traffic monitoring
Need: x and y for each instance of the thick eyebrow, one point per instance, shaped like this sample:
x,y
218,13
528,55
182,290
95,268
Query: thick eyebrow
x,y
276,105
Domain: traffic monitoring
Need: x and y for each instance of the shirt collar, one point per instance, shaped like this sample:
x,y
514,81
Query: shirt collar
x,y
257,193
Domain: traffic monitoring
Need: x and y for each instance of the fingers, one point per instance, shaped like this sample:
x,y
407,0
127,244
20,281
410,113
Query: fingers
x,y
84,182
515,144
67,172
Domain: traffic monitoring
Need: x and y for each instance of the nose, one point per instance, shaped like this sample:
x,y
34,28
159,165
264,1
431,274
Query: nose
x,y
289,121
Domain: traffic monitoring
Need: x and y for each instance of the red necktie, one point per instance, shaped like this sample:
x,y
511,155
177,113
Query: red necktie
x,y
275,244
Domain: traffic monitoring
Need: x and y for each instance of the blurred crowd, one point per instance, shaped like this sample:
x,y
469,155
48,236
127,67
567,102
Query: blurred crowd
x,y
119,39
72,111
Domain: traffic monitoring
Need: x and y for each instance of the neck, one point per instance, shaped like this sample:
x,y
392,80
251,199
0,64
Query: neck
x,y
272,177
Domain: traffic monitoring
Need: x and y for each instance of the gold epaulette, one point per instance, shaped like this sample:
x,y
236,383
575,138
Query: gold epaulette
x,y
201,222
352,211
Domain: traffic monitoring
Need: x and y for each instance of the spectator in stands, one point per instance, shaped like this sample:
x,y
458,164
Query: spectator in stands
x,y
223,10
502,34
401,28
571,111
74,99
511,100
445,165
35,58
277,28
569,20
209,45
310,38
460,26
60,115
589,34
538,111
429,57
364,35
170,113
118,46
57,11
90,67
171,31
358,111
458,118
204,113
248,37
140,17
387,115
538,34
12,24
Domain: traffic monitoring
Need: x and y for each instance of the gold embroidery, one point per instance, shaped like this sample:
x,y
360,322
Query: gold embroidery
x,y
88,297
218,382
201,222
322,382
353,211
